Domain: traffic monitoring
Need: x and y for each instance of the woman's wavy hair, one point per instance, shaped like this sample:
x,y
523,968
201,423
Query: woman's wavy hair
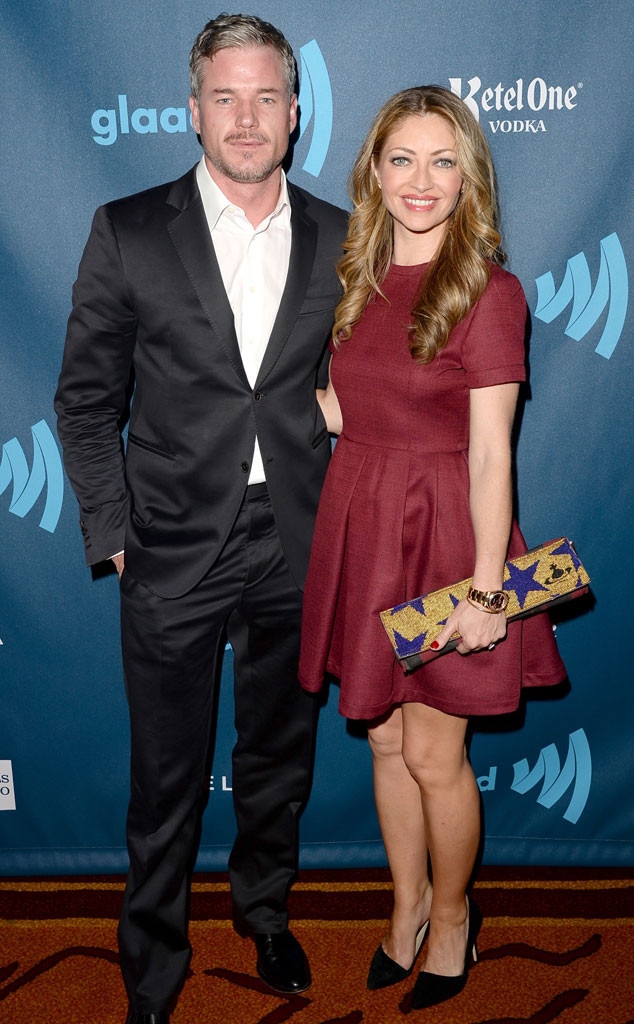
x,y
459,271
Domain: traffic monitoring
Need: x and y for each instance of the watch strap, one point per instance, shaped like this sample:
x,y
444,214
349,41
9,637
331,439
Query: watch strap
x,y
491,601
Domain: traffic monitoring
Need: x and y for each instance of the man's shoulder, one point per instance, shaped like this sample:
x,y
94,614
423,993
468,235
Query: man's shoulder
x,y
319,209
178,192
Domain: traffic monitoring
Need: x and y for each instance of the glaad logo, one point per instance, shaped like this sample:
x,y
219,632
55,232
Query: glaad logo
x,y
315,99
7,792
611,290
536,96
108,124
46,471
556,781
576,772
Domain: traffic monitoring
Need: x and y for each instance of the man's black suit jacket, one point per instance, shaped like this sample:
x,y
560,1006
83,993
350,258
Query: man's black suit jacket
x,y
149,305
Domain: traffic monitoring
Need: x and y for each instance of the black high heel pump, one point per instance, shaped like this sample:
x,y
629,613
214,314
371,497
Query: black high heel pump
x,y
431,989
384,971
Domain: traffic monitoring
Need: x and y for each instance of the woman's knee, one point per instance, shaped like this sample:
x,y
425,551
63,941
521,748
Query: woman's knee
x,y
432,766
386,737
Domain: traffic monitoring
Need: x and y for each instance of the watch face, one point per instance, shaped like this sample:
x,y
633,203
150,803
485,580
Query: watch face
x,y
498,602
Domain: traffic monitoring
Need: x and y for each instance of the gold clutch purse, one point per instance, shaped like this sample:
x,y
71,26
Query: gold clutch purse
x,y
539,579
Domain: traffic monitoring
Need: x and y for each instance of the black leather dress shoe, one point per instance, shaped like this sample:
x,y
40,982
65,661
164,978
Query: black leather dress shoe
x,y
162,1017
282,963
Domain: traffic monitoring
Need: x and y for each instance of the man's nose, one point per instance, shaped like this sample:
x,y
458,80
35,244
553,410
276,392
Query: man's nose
x,y
246,114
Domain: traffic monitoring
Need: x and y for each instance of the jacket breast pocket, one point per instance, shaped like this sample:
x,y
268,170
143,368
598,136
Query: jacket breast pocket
x,y
320,304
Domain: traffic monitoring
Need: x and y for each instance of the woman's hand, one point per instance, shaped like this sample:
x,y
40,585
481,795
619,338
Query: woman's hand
x,y
478,630
118,561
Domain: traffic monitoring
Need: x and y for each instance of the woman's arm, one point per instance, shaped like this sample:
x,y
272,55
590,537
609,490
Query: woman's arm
x,y
330,407
492,411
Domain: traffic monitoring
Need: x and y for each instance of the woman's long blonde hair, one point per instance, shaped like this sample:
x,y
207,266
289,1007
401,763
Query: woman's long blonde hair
x,y
459,271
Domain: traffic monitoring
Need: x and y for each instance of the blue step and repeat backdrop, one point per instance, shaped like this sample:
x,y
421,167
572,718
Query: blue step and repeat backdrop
x,y
94,106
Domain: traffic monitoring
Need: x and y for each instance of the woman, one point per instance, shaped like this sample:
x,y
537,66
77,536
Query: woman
x,y
427,358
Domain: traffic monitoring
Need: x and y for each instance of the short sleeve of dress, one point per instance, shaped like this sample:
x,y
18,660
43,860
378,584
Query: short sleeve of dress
x,y
493,345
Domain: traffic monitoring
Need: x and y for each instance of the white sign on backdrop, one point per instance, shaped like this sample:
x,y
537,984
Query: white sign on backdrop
x,y
7,792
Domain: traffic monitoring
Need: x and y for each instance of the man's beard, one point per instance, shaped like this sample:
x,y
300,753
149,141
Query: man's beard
x,y
246,172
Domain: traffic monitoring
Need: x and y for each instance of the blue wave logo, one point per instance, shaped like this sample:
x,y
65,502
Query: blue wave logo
x,y
46,473
611,291
315,99
555,780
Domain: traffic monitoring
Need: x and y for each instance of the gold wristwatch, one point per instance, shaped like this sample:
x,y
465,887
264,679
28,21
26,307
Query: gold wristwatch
x,y
488,600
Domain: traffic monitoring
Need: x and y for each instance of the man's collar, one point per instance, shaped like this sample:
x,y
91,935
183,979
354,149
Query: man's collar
x,y
215,201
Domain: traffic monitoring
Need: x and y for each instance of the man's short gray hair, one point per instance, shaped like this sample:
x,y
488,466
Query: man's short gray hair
x,y
239,30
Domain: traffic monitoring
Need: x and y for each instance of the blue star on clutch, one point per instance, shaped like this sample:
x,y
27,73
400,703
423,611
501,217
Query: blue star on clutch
x,y
455,601
522,581
416,603
405,647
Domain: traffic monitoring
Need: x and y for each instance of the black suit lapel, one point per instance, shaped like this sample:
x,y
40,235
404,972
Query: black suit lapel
x,y
302,258
190,235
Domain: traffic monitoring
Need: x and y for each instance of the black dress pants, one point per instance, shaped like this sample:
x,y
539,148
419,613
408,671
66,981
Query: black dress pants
x,y
170,655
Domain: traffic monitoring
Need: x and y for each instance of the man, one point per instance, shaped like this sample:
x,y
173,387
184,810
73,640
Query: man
x,y
216,292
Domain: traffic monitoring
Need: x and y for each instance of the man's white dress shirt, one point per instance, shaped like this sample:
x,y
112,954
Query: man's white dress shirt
x,y
254,266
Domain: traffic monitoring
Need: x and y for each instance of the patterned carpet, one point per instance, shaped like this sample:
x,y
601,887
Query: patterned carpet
x,y
555,946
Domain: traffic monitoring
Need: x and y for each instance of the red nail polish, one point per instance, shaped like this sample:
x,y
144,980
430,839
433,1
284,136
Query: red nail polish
x,y
434,646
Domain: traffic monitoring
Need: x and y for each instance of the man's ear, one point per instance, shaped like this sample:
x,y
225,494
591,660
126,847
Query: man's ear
x,y
293,114
195,112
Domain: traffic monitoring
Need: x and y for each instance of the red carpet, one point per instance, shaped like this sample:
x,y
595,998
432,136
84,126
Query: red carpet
x,y
555,946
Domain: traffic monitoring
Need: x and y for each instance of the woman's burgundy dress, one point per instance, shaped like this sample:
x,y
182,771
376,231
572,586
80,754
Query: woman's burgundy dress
x,y
394,522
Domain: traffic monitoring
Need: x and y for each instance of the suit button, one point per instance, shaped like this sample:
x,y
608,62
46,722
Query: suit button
x,y
244,466
257,396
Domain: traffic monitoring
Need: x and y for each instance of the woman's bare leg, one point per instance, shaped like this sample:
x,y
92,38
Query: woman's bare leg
x,y
435,756
399,808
